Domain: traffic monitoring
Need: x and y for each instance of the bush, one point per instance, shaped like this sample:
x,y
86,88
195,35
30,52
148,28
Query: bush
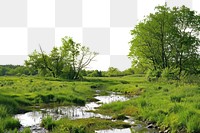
x,y
192,79
153,75
48,123
170,73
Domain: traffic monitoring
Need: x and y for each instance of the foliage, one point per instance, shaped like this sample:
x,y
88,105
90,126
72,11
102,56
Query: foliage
x,y
170,73
48,123
172,104
113,72
26,130
9,123
153,75
14,70
66,61
167,39
88,125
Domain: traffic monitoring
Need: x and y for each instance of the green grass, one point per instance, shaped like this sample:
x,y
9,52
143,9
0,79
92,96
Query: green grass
x,y
167,103
172,104
34,91
21,94
88,125
48,123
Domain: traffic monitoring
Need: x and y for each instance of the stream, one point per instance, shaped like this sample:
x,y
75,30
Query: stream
x,y
33,119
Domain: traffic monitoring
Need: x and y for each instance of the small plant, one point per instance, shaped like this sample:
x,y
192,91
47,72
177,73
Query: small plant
x,y
153,75
120,117
26,130
3,111
48,123
11,123
176,98
193,125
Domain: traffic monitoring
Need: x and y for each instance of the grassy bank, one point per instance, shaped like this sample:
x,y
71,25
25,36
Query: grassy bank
x,y
169,104
21,94
86,125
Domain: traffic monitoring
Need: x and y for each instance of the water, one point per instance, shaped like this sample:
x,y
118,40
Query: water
x,y
126,130
33,119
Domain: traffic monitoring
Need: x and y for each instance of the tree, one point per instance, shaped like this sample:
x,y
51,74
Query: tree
x,y
66,61
113,72
167,39
75,55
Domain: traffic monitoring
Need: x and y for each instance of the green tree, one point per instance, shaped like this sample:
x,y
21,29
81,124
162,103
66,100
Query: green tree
x,y
112,72
66,61
167,39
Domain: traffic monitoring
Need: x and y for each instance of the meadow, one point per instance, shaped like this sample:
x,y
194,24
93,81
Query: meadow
x,y
169,104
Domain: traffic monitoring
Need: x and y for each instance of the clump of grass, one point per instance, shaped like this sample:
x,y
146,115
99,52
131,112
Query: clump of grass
x,y
26,130
193,125
3,111
10,123
88,125
10,104
176,98
120,117
48,123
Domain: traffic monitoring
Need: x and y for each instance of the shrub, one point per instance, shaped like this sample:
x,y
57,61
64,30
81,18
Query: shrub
x,y
170,73
192,79
153,75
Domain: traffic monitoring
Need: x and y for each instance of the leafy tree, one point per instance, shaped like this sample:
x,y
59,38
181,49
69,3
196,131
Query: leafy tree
x,y
167,39
112,72
66,61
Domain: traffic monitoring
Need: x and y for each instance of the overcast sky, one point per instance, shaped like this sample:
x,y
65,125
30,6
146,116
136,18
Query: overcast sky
x,y
14,39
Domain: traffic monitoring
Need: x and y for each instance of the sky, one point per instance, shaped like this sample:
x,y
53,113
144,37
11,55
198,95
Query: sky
x,y
102,25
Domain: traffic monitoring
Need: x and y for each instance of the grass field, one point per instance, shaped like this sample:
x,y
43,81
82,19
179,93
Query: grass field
x,y
168,104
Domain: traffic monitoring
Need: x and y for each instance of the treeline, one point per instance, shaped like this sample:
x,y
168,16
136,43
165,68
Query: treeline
x,y
111,72
14,70
18,70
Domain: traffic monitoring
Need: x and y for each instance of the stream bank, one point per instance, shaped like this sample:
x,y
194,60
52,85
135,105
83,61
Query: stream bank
x,y
33,119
